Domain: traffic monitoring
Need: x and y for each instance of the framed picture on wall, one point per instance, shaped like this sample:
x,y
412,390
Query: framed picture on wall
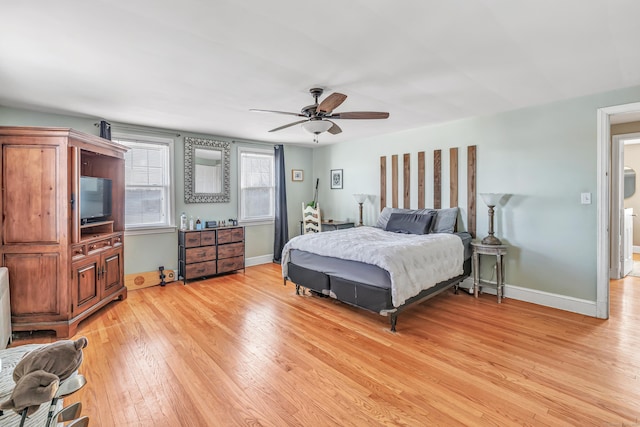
x,y
297,175
336,179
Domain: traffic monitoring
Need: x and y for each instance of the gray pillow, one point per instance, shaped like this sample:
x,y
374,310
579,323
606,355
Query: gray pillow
x,y
410,223
445,221
387,211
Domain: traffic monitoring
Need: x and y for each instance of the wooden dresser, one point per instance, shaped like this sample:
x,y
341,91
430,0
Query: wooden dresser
x,y
210,251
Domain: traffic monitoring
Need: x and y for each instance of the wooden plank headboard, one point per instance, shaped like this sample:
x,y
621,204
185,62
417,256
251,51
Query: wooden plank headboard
x,y
437,182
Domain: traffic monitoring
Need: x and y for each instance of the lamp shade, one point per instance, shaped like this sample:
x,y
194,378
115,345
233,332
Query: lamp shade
x,y
361,198
316,126
491,199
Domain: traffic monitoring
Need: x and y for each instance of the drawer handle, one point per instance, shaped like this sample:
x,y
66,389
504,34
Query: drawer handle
x,y
92,247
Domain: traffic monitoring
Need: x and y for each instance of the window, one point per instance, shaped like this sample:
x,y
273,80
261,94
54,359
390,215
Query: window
x,y
148,182
256,184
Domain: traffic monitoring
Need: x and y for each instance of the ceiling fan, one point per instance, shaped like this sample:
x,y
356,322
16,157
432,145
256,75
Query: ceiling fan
x,y
319,116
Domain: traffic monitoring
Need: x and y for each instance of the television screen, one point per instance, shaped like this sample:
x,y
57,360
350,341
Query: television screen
x,y
95,198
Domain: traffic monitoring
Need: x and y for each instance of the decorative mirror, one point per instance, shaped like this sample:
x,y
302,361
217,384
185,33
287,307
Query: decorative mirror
x,y
206,170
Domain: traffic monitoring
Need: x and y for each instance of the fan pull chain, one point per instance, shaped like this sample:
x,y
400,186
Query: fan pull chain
x,y
315,138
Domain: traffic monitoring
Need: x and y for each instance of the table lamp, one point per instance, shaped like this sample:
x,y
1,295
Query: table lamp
x,y
360,198
491,200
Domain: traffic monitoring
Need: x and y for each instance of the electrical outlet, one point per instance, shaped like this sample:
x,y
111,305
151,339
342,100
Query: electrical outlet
x,y
585,198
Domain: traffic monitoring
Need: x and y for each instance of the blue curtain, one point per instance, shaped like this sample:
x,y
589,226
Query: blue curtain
x,y
105,130
281,220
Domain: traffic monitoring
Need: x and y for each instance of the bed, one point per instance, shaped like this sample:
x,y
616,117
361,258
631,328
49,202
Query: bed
x,y
409,256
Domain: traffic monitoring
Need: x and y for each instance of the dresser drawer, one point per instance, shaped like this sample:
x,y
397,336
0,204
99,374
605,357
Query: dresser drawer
x,y
189,240
78,251
204,253
231,250
207,238
230,235
117,240
99,244
200,269
230,264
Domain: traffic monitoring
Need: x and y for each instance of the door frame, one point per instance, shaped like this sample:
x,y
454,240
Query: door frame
x,y
617,199
604,189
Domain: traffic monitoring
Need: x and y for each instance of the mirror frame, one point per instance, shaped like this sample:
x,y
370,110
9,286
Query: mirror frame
x,y
190,145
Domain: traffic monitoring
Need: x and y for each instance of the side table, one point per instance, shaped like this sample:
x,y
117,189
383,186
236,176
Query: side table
x,y
499,251
332,225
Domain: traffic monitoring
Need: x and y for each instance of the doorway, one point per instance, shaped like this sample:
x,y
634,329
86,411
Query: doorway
x,y
610,221
627,135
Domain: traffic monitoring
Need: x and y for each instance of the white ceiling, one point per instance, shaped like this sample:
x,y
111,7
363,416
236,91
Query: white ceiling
x,y
201,65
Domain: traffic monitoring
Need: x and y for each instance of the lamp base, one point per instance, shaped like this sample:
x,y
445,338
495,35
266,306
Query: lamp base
x,y
491,240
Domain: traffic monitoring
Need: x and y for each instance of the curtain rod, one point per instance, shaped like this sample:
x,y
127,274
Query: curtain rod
x,y
239,141
140,129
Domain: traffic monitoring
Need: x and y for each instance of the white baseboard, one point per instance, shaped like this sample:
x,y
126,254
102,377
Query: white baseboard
x,y
257,260
562,302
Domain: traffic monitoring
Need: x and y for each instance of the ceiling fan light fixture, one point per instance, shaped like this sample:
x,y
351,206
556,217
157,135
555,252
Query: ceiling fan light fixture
x,y
316,126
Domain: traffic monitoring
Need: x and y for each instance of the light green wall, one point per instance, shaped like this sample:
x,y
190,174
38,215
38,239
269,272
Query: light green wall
x,y
543,157
147,252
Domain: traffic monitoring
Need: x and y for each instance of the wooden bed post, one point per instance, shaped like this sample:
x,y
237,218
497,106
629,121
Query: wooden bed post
x,y
394,181
471,190
421,187
453,177
437,184
406,188
383,182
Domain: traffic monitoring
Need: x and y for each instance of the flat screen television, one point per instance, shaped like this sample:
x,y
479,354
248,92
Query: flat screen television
x,y
95,199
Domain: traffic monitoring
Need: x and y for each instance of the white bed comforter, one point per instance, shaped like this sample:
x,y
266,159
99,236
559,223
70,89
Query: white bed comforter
x,y
414,262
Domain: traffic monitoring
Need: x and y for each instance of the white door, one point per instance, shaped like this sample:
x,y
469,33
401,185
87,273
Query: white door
x,y
627,241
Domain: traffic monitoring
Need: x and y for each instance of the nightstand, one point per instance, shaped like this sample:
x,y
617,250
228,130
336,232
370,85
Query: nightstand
x,y
499,251
332,225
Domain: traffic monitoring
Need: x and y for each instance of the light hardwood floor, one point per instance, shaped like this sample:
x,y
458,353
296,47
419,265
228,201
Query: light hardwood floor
x,y
243,349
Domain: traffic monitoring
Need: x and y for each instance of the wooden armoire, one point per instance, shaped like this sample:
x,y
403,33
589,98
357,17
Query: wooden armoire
x,y
60,271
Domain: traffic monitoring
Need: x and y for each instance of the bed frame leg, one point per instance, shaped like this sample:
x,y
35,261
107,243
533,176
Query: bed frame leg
x,y
393,320
455,288
297,289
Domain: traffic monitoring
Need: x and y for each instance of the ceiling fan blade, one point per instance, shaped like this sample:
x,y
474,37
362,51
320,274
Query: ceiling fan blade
x,y
360,115
277,112
286,126
331,102
335,129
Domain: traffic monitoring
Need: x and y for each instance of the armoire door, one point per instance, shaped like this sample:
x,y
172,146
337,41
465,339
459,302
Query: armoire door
x,y
85,284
